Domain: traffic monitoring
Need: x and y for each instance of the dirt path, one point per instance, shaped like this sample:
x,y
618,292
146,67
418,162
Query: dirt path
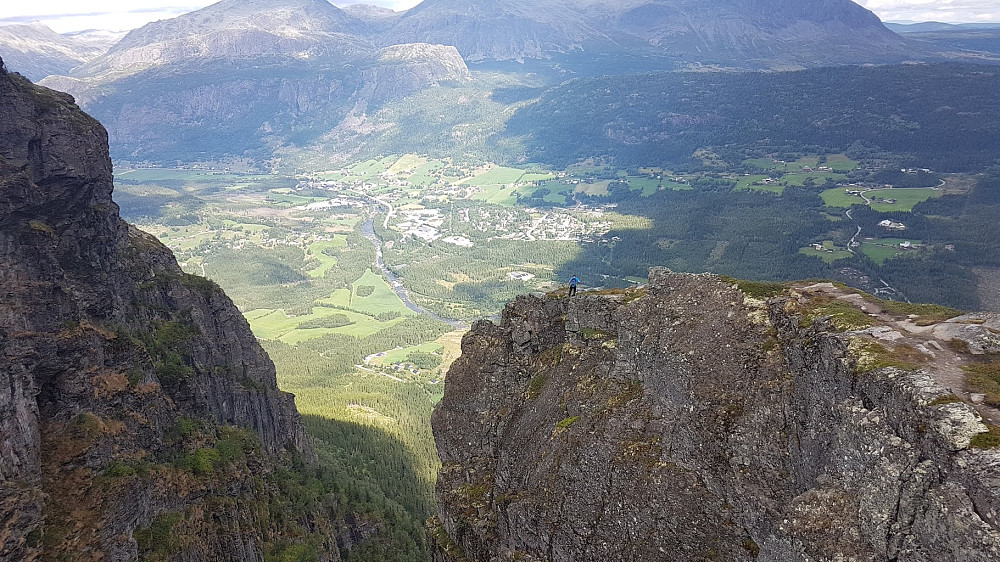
x,y
935,353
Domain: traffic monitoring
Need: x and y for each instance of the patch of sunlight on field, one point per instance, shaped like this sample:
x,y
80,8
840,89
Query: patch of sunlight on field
x,y
409,162
599,188
905,198
495,176
394,356
382,300
362,326
315,250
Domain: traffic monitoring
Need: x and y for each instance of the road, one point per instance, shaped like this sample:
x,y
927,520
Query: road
x,y
850,245
388,214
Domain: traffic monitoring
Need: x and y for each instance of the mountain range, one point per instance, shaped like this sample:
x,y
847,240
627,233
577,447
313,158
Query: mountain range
x,y
36,51
245,78
758,34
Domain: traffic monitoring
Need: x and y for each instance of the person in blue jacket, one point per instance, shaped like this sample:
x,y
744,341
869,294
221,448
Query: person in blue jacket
x,y
573,282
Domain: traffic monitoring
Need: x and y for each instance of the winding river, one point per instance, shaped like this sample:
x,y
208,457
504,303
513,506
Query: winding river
x,y
368,230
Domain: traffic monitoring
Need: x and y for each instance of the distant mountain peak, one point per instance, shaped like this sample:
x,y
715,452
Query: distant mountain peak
x,y
239,29
741,33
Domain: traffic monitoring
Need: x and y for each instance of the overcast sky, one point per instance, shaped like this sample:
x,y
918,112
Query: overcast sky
x,y
120,15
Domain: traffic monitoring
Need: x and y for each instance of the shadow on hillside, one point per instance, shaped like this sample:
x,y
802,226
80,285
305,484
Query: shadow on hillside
x,y
747,235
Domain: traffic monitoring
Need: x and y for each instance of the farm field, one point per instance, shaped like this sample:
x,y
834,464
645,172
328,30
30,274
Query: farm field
x,y
836,163
883,249
830,252
905,198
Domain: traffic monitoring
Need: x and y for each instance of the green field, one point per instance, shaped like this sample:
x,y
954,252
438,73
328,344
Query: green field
x,y
747,182
836,163
502,195
315,251
818,178
495,176
529,177
906,198
372,168
395,356
837,197
884,249
277,324
598,188
647,186
840,163
830,252
427,173
382,300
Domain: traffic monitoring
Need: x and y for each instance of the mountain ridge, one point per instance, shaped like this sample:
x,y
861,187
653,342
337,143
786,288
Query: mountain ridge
x,y
36,51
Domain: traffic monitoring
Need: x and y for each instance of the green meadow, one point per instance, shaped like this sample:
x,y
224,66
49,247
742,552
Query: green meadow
x,y
326,261
884,249
905,198
830,252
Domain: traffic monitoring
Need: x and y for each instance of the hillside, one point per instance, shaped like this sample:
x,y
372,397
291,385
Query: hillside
x,y
242,79
665,117
251,79
710,419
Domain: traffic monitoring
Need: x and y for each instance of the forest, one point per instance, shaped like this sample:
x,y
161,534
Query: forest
x,y
942,116
756,235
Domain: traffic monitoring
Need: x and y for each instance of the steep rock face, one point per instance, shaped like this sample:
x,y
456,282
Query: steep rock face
x,y
406,69
127,385
242,29
688,421
244,78
736,33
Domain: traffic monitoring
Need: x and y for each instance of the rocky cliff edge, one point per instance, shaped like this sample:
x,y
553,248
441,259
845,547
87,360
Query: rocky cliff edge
x,y
139,417
698,418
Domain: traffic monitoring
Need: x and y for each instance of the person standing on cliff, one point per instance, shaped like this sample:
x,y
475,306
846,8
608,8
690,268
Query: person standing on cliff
x,y
573,282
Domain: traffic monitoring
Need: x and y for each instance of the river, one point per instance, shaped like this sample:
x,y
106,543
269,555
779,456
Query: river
x,y
368,230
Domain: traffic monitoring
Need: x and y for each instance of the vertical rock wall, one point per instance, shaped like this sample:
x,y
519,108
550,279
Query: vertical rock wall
x,y
110,357
687,421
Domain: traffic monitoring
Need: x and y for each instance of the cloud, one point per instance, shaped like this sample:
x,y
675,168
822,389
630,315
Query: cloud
x,y
114,15
949,11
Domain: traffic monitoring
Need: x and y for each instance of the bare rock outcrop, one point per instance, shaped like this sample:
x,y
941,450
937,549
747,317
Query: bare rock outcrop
x,y
687,420
138,414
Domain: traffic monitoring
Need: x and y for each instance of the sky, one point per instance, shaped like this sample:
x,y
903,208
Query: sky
x,y
66,16
948,11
